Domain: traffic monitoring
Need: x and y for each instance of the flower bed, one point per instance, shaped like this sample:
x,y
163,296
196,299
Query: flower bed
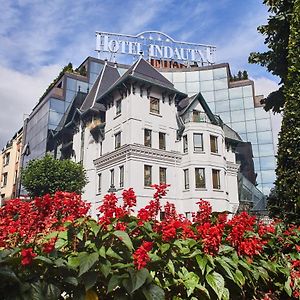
x,y
51,249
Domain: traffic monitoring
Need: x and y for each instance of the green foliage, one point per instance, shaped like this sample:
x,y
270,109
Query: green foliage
x,y
67,68
240,76
277,33
48,175
286,202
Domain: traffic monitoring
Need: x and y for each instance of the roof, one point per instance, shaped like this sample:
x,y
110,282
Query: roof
x,y
107,77
141,70
231,134
186,103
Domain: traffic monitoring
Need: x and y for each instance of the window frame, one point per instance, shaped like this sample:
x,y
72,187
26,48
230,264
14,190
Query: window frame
x,y
197,172
117,140
201,147
121,176
186,179
185,143
218,178
162,146
214,138
148,143
154,110
161,181
147,181
99,182
112,177
118,107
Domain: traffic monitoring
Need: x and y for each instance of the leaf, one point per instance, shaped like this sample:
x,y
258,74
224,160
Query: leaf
x,y
71,280
115,281
138,278
171,267
73,262
102,252
105,268
216,282
110,252
89,280
239,278
124,237
190,282
43,259
202,261
225,267
287,287
164,248
87,261
226,294
153,292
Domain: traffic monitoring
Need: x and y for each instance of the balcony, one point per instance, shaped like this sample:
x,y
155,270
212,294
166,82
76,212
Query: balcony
x,y
196,117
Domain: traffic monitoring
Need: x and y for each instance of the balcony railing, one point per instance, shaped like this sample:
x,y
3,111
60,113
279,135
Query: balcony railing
x,y
199,117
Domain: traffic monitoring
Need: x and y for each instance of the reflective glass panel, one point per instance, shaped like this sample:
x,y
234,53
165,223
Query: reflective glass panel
x,y
266,150
192,76
251,126
248,102
206,86
222,106
220,84
263,124
236,104
221,95
265,137
220,73
240,127
237,115
267,163
206,75
249,114
235,93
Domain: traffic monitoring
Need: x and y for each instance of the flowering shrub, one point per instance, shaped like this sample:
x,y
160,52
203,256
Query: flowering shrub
x,y
50,249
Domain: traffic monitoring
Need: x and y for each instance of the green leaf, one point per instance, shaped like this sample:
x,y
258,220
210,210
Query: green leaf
x,y
105,268
171,267
60,243
202,262
71,280
226,294
239,278
102,252
216,282
124,237
43,259
190,282
223,264
153,292
110,252
138,278
164,248
115,281
89,280
287,287
73,262
87,261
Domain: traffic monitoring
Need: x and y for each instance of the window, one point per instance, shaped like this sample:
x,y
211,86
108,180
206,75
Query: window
x,y
162,175
118,107
121,176
147,137
6,159
82,145
162,140
200,178
4,179
154,105
112,177
196,116
186,179
216,179
117,140
198,142
214,144
99,183
185,144
147,175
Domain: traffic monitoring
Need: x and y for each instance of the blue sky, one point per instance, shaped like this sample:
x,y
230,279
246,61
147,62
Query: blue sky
x,y
37,38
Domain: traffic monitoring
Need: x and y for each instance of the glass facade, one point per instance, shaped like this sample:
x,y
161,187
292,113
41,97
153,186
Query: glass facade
x,y
235,105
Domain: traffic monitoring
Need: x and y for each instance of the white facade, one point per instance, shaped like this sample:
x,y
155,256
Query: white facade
x,y
123,165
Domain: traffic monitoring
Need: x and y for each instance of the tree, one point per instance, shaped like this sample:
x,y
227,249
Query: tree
x,y
277,33
286,203
48,175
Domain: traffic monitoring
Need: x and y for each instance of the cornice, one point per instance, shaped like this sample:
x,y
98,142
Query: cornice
x,y
138,153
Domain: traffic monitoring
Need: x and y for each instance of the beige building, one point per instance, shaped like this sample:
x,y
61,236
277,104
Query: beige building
x,y
10,167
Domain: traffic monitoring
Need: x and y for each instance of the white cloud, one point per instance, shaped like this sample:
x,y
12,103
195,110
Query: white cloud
x,y
264,86
19,94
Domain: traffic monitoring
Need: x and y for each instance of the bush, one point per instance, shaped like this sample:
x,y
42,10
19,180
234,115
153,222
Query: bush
x,y
49,175
122,256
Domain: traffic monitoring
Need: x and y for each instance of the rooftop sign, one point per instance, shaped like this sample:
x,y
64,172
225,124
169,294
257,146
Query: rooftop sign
x,y
153,45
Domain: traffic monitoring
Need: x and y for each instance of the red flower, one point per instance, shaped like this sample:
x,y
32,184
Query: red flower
x,y
140,256
27,256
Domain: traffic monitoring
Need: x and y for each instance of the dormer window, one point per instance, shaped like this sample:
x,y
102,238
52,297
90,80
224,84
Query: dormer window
x,y
154,105
118,107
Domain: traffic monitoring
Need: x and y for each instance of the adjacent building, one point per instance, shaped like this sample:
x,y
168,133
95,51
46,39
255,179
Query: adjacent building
x,y
10,167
